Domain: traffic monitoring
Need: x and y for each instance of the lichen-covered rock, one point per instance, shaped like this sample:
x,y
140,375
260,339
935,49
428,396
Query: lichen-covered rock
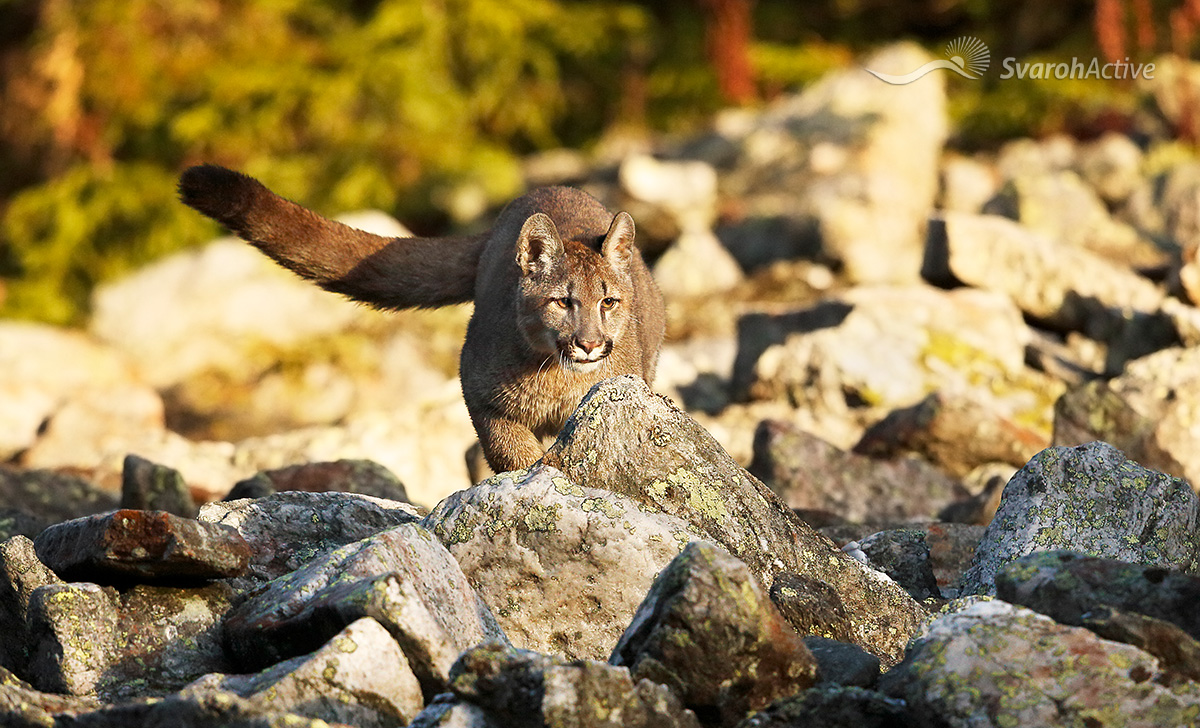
x,y
834,706
290,529
1149,412
359,677
1177,652
165,637
808,473
627,440
147,486
145,545
994,664
402,577
707,629
523,689
1090,499
21,706
811,606
563,567
365,477
20,574
903,555
205,710
72,632
1066,586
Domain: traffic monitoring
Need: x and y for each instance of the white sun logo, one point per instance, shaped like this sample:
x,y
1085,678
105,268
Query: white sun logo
x,y
970,54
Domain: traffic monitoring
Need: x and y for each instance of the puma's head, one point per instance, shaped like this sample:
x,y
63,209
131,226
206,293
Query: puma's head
x,y
574,302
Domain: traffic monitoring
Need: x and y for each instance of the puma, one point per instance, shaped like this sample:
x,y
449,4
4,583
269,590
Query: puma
x,y
562,296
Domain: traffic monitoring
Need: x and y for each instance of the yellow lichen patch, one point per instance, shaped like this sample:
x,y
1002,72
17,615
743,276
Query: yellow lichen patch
x,y
602,505
542,518
565,487
702,496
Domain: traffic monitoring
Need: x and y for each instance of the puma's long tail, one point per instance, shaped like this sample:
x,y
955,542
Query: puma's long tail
x,y
385,272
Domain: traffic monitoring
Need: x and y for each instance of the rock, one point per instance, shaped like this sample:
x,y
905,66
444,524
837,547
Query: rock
x,y
521,689
142,545
165,637
695,265
402,577
966,184
708,631
1026,156
903,555
1063,286
360,677
874,349
21,706
1091,499
1112,166
1177,651
685,190
627,440
1061,208
951,549
809,473
147,486
288,530
208,710
563,567
72,632
46,496
834,706
958,434
447,711
842,663
344,476
20,575
811,606
49,374
696,372
962,672
191,311
1066,586
1148,412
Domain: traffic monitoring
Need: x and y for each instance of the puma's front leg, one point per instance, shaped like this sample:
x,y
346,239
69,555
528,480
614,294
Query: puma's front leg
x,y
507,444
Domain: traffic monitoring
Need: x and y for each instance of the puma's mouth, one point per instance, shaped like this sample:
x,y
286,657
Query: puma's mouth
x,y
583,358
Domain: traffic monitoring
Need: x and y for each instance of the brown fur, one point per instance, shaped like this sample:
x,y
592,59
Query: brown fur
x,y
562,296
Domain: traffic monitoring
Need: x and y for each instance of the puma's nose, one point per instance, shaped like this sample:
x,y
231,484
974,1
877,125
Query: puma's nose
x,y
587,345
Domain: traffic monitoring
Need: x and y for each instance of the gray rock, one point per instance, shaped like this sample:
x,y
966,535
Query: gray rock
x,y
1066,586
1091,499
147,486
20,575
842,663
524,689
359,677
402,577
1148,412
51,496
834,706
903,555
993,664
365,477
288,530
208,710
447,711
707,629
1068,287
144,545
72,632
808,473
696,264
629,441
563,567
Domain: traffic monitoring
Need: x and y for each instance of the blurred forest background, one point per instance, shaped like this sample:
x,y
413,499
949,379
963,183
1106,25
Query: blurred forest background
x,y
412,106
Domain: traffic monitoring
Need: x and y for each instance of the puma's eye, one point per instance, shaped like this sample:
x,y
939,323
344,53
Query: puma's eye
x,y
608,303
562,302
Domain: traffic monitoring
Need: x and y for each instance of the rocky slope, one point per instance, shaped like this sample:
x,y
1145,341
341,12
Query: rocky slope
x,y
920,453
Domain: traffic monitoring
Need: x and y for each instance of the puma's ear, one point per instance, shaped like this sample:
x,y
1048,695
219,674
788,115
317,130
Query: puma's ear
x,y
618,243
538,245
